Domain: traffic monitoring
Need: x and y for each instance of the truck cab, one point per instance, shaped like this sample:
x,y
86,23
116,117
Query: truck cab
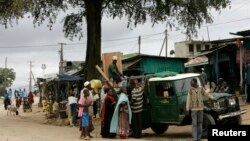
x,y
164,103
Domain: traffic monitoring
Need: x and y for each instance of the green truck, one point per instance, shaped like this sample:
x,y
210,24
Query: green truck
x,y
164,103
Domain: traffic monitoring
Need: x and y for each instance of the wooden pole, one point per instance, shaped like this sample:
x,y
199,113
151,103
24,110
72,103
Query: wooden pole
x,y
103,75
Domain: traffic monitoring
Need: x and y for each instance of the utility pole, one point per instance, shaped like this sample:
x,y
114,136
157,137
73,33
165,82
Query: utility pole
x,y
30,79
6,62
43,68
166,40
5,73
139,42
208,34
61,69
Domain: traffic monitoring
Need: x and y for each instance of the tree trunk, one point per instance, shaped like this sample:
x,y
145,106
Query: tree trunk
x,y
93,53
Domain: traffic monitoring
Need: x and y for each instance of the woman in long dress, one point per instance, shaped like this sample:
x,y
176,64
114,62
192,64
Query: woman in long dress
x,y
108,108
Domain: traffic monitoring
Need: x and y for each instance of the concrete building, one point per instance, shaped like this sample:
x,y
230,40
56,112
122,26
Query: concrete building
x,y
189,49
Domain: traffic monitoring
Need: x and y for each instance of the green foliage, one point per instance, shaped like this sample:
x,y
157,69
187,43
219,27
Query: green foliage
x,y
7,76
13,10
190,14
174,13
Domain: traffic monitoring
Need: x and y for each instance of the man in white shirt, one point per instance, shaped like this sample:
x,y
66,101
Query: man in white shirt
x,y
72,101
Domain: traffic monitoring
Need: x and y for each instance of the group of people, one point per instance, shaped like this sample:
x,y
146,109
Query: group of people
x,y
19,97
222,87
120,110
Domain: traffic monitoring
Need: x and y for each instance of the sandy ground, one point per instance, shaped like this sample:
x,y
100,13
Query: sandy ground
x,y
30,126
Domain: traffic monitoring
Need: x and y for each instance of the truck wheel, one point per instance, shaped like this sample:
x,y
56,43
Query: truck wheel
x,y
207,120
159,128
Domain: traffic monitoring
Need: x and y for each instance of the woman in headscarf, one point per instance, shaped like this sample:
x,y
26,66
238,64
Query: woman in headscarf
x,y
122,117
108,108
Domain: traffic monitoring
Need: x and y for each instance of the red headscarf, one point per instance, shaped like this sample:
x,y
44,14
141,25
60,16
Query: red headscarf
x,y
109,96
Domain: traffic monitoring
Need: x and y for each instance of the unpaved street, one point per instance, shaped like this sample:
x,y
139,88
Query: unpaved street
x,y
30,127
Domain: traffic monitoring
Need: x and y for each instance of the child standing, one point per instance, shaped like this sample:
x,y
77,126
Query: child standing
x,y
122,117
84,103
123,121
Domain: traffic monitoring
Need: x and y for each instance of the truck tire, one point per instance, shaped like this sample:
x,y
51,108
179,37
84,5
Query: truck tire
x,y
207,120
159,128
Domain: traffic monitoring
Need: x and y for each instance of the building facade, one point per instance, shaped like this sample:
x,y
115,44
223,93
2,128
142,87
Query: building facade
x,y
189,49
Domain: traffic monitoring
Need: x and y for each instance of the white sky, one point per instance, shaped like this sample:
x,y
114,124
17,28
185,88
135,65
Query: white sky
x,y
23,43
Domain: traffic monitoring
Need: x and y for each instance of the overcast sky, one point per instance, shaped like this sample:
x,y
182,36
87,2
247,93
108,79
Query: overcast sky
x,y
23,43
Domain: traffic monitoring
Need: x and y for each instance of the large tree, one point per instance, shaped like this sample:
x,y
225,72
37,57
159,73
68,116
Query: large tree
x,y
7,77
187,13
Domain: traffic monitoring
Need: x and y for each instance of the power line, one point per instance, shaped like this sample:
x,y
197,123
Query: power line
x,y
80,43
113,40
243,19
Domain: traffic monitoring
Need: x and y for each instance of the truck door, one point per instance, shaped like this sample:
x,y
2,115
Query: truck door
x,y
164,102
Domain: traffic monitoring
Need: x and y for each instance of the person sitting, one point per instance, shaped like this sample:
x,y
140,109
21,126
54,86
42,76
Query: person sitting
x,y
213,87
224,88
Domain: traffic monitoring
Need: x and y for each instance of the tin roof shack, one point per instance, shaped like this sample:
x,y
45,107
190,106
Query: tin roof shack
x,y
245,66
55,86
222,62
142,64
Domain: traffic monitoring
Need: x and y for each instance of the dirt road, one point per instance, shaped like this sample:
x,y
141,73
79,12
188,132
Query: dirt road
x,y
29,126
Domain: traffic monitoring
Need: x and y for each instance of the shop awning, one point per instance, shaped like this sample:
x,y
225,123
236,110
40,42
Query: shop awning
x,y
66,77
197,61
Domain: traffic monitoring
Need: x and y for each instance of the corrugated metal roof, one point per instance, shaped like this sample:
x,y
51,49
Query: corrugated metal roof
x,y
201,60
126,66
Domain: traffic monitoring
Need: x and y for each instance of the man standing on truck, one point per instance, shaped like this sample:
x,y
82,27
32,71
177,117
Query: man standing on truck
x,y
136,107
195,104
113,71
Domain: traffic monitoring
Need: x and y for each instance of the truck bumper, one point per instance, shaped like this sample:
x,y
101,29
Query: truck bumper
x,y
232,114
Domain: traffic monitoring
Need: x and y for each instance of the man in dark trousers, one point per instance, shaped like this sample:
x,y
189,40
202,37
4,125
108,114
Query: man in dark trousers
x,y
136,107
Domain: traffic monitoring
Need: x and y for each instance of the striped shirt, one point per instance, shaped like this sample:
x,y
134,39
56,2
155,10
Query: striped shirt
x,y
137,99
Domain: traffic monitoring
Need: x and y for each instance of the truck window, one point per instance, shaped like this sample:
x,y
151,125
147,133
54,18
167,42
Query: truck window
x,y
183,85
164,89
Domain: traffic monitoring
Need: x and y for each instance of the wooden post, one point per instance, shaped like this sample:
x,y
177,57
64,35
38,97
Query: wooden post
x,y
103,75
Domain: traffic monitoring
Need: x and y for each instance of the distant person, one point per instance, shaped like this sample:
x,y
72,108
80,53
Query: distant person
x,y
24,94
220,83
30,99
203,76
113,71
10,93
224,88
195,104
213,87
6,101
21,94
72,102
